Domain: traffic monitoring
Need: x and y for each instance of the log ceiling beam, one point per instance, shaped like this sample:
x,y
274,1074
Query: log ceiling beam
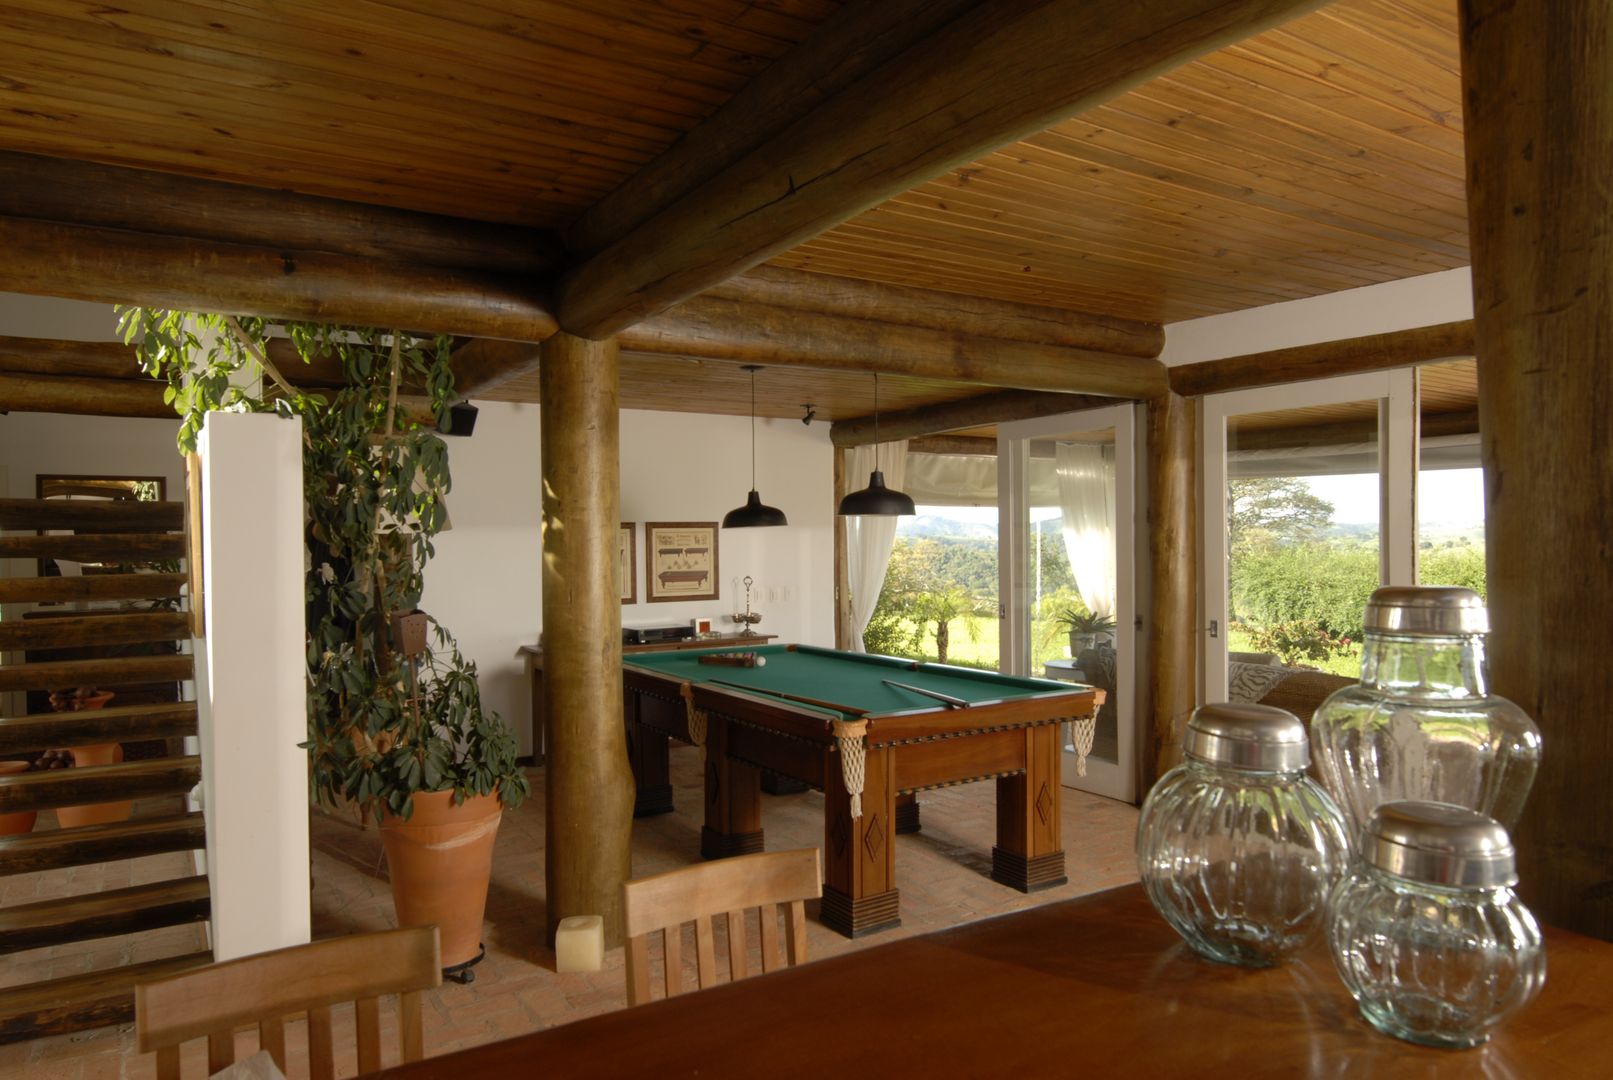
x,y
1347,432
1373,352
121,267
87,359
827,294
140,200
83,396
958,415
760,333
997,73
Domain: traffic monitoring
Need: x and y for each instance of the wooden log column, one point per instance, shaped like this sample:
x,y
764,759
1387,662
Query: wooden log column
x,y
589,817
1539,122
1173,587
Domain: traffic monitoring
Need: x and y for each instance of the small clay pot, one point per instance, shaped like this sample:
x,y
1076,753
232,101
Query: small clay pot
x,y
23,820
69,817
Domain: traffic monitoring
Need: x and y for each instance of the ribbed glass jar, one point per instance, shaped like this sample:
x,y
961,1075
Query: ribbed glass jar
x,y
1422,723
1426,931
1237,847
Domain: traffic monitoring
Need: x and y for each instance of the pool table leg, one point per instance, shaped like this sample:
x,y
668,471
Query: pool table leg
x,y
1029,854
907,813
733,799
859,854
647,754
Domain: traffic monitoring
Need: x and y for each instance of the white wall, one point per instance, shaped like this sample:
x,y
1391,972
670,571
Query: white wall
x,y
484,584
1372,309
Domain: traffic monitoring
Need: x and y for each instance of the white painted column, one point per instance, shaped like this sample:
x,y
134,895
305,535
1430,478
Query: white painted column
x,y
252,711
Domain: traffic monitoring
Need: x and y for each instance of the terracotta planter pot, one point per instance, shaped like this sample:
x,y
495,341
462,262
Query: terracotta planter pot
x,y
70,817
441,860
22,821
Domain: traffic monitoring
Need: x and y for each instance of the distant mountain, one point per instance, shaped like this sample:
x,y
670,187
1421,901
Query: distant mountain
x,y
930,526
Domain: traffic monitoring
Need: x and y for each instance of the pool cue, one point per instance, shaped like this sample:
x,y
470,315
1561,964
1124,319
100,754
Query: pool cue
x,y
952,702
792,697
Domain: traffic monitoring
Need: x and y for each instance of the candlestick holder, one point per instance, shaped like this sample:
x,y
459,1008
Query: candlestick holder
x,y
748,618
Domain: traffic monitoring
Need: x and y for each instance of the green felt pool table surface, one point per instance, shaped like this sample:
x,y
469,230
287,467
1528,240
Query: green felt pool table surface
x,y
855,681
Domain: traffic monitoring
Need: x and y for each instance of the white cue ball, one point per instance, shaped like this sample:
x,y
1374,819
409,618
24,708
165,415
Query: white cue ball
x,y
761,661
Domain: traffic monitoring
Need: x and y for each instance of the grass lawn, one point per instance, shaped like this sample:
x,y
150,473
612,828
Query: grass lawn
x,y
1049,641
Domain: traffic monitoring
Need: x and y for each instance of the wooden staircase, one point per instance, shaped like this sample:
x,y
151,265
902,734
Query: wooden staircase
x,y
126,645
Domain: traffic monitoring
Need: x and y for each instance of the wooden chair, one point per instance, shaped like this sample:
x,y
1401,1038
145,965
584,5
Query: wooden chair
x,y
216,1000
665,902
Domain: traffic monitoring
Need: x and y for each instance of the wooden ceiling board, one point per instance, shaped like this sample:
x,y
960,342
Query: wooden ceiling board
x,y
1322,155
689,384
504,111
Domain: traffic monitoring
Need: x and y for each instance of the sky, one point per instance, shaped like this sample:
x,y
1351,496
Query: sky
x,y
1446,497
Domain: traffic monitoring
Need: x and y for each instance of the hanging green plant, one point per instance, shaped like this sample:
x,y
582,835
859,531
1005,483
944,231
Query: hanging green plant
x,y
381,725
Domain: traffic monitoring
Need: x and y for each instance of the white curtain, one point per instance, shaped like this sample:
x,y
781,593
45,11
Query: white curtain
x,y
1086,478
869,538
971,480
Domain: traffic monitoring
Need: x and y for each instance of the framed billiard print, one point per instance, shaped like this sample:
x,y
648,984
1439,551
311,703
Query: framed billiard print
x,y
627,563
680,561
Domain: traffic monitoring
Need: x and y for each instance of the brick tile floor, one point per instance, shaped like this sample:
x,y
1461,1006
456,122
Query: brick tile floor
x,y
942,873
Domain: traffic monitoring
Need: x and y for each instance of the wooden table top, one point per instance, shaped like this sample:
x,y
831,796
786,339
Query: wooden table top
x,y
1096,986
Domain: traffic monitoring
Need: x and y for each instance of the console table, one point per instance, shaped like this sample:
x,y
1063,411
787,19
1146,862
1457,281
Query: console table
x,y
534,663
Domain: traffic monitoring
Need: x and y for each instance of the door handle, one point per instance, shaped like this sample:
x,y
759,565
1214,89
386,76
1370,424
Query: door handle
x,y
1215,628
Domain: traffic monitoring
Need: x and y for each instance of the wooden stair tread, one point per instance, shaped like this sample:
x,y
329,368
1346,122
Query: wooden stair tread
x,y
47,590
100,671
123,515
104,914
99,783
94,547
103,628
89,1000
126,723
52,849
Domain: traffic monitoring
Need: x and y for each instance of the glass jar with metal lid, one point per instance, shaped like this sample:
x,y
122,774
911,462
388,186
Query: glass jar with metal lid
x,y
1422,724
1237,847
1426,931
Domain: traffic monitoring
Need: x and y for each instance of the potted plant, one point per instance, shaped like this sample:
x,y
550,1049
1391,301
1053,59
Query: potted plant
x,y
1084,628
400,736
83,699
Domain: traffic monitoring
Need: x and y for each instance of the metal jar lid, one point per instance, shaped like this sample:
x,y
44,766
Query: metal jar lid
x,y
1259,738
1439,844
1434,610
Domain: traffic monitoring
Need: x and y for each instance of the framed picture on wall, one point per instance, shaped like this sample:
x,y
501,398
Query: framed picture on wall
x,y
680,561
627,563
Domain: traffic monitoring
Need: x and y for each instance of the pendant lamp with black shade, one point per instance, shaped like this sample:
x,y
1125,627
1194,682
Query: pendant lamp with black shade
x,y
876,498
753,515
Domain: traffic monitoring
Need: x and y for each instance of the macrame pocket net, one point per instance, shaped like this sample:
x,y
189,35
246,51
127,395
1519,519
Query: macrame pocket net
x,y
849,740
1082,728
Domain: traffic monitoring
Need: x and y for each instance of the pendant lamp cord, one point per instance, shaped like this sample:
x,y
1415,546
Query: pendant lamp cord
x,y
753,429
876,421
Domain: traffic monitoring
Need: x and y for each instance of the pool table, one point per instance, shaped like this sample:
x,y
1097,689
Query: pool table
x,y
833,721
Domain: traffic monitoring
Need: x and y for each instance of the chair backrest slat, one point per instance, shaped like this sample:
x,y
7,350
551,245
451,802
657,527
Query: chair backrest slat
x,y
321,1048
220,1051
705,951
261,990
272,1037
795,925
367,1016
412,1033
664,902
638,970
672,952
770,938
738,953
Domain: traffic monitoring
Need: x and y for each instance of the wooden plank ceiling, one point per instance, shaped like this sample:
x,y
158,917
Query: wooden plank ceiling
x,y
1321,155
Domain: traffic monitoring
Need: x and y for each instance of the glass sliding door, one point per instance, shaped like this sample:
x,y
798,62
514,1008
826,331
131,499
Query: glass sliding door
x,y
1067,537
1309,504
